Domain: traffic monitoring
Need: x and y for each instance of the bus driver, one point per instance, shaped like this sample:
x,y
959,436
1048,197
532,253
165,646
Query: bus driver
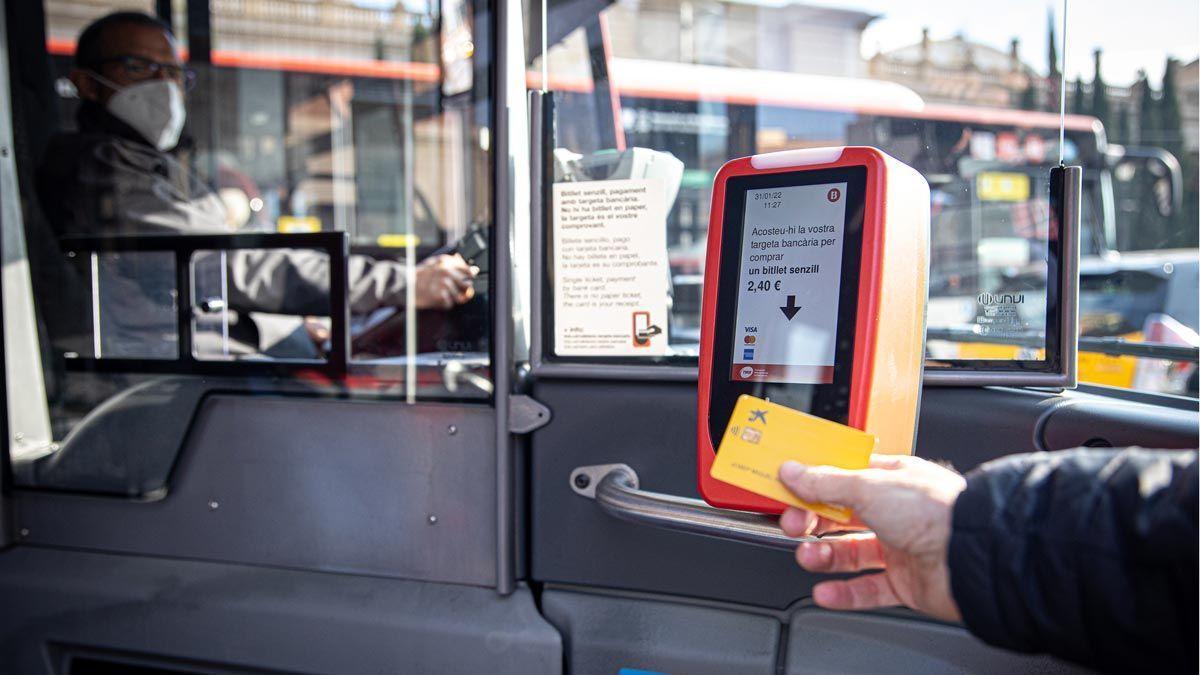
x,y
121,173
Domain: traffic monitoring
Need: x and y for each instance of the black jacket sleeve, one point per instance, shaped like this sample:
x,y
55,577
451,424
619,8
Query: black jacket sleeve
x,y
1090,555
296,281
103,183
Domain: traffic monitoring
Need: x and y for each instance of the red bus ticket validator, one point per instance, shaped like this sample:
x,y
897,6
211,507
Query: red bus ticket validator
x,y
815,288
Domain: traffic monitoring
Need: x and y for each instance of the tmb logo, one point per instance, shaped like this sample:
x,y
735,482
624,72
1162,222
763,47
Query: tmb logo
x,y
988,299
833,195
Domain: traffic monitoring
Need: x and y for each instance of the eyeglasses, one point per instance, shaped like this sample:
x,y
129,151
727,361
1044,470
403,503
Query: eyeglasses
x,y
140,69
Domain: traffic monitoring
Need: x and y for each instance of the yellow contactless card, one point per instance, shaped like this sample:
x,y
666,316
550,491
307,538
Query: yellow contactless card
x,y
761,436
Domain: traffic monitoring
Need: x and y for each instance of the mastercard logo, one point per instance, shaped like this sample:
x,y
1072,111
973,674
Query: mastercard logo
x,y
750,339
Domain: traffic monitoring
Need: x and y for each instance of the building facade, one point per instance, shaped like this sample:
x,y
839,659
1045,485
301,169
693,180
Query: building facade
x,y
957,70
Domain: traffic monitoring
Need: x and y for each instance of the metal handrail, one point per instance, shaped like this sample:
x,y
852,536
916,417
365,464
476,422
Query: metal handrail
x,y
615,489
1113,346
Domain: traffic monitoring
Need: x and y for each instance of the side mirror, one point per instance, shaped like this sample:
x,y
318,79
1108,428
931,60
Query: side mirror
x,y
1148,192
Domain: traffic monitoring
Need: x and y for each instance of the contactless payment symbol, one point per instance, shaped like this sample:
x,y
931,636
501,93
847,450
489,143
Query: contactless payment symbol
x,y
746,372
643,330
833,195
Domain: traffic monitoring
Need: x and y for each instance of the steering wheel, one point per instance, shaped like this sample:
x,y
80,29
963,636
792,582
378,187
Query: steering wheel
x,y
461,329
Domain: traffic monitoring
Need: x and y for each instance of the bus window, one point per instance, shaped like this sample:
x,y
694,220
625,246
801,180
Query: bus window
x,y
65,19
290,194
973,107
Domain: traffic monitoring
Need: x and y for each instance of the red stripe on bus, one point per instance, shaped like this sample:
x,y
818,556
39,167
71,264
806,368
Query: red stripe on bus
x,y
934,111
430,72
396,70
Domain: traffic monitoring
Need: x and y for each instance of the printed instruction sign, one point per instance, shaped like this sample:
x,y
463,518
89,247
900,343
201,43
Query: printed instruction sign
x,y
610,268
789,284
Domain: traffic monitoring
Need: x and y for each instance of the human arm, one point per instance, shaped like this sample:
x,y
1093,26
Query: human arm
x,y
98,184
1087,554
1090,555
295,281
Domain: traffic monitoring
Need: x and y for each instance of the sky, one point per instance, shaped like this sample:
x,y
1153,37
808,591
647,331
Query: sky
x,y
1135,34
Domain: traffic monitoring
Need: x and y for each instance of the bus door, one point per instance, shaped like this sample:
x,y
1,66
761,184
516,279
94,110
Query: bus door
x,y
636,571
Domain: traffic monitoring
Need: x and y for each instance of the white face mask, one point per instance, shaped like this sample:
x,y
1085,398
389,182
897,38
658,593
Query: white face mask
x,y
154,109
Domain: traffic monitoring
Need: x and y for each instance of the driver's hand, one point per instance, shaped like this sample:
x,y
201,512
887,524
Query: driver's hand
x,y
444,281
907,502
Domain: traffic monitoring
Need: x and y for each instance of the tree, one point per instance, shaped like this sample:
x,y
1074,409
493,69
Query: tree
x,y
1147,111
1100,107
1170,138
1029,97
1170,123
1054,80
1124,131
1078,102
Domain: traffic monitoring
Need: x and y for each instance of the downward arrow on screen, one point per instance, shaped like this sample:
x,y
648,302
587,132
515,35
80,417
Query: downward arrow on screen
x,y
790,309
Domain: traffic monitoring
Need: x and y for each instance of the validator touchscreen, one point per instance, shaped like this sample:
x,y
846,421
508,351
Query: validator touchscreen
x,y
788,290
789,283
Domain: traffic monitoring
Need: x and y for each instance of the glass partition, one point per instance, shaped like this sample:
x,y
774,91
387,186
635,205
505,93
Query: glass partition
x,y
970,99
152,150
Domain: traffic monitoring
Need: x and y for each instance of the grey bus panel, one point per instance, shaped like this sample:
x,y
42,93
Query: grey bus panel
x,y
219,617
821,642
651,427
382,488
605,634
